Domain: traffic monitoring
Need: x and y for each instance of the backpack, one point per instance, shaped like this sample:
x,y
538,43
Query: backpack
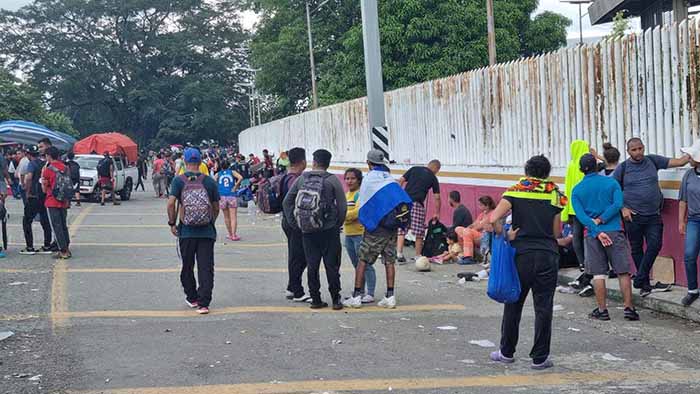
x,y
310,209
166,168
103,167
195,207
63,187
269,196
74,170
436,239
397,218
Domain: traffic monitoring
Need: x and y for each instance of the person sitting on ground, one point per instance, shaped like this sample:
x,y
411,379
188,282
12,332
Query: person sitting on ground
x,y
453,253
597,201
461,217
417,182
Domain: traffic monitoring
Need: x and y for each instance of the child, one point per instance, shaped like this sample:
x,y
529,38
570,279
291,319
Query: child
x,y
454,250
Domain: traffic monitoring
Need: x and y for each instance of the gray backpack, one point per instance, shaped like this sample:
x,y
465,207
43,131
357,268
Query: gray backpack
x,y
310,209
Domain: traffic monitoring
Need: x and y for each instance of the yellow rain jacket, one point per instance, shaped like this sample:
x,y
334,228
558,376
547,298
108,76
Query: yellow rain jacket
x,y
573,174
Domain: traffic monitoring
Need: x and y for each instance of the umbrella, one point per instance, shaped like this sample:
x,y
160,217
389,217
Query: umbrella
x,y
30,133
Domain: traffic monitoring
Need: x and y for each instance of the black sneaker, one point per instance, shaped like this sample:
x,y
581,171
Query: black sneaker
x,y
401,260
631,314
45,250
597,314
318,305
645,291
28,251
686,301
661,287
575,284
337,303
587,291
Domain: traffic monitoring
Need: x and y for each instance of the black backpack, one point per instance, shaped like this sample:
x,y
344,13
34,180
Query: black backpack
x,y
436,239
103,167
397,218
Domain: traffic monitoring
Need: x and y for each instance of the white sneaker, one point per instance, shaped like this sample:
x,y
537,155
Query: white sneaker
x,y
303,298
368,299
353,302
289,295
389,303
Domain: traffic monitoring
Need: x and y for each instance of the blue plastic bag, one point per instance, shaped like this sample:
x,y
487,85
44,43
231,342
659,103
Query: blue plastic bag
x,y
504,283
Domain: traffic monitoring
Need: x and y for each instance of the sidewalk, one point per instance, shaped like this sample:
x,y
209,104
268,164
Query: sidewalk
x,y
669,302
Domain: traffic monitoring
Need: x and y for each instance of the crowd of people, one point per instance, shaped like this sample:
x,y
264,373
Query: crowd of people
x,y
607,212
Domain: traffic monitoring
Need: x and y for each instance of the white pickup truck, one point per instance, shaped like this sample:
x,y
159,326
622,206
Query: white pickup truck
x,y
125,177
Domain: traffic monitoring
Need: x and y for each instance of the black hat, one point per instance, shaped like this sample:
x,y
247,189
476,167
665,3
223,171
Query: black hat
x,y
33,151
588,163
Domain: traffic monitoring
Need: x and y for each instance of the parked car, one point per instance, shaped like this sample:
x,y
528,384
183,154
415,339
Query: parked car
x,y
125,177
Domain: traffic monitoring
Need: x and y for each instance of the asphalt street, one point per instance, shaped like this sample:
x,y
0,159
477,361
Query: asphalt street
x,y
113,320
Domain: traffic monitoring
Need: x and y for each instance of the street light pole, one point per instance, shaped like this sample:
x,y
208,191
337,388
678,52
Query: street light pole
x,y
491,32
379,135
314,92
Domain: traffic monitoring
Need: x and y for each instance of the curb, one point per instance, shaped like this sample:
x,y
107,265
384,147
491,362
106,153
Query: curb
x,y
669,303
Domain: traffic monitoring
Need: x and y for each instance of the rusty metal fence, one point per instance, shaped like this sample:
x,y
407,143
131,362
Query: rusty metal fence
x,y
642,85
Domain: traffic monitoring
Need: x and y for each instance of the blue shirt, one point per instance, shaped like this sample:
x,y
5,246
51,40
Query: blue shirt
x,y
598,197
226,183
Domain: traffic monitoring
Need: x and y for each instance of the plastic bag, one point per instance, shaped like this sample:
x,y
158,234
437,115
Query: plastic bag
x,y
504,283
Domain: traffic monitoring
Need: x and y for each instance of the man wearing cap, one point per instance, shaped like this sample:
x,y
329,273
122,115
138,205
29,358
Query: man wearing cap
x,y
34,200
379,195
196,242
639,178
597,201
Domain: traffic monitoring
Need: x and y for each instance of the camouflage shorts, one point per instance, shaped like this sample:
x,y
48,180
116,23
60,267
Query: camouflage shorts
x,y
378,243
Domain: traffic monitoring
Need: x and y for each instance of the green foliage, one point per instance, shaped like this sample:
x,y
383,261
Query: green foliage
x,y
157,69
421,40
620,25
19,101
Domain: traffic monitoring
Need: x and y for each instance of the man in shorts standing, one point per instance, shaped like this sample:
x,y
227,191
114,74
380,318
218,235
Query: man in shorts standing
x,y
597,201
379,195
417,182
105,171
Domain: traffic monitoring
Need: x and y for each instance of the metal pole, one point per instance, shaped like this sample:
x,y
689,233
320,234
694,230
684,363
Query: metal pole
x,y
580,23
491,32
379,136
314,93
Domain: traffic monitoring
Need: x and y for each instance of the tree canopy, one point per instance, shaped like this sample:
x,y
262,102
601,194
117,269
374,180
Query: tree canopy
x,y
19,101
420,40
167,70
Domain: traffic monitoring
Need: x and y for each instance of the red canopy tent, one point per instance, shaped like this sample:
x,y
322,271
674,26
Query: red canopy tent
x,y
114,143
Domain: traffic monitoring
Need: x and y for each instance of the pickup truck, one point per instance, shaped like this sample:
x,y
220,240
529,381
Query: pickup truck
x,y
126,177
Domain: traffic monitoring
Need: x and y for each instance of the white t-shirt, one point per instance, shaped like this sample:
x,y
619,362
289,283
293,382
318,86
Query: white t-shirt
x,y
22,166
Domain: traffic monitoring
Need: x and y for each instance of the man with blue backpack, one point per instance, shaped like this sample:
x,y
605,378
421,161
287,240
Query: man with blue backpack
x,y
384,209
316,205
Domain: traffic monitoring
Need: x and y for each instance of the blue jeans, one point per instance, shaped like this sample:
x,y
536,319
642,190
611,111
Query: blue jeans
x,y
692,248
352,246
641,229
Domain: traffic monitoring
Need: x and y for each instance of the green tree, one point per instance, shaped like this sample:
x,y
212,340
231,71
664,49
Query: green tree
x,y
620,25
421,40
157,69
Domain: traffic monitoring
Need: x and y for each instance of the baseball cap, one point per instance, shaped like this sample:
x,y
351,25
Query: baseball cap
x,y
693,151
33,150
375,156
192,155
588,163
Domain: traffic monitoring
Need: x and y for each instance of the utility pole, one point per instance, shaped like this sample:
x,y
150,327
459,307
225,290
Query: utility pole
x,y
580,4
491,32
314,92
379,135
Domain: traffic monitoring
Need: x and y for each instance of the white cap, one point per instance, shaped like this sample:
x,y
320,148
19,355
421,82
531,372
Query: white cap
x,y
693,151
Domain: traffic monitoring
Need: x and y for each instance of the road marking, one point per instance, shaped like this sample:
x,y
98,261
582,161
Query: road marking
x,y
18,317
19,271
175,269
59,295
257,309
229,245
458,382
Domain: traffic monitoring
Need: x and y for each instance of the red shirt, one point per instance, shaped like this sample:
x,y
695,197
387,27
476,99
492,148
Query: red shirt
x,y
49,179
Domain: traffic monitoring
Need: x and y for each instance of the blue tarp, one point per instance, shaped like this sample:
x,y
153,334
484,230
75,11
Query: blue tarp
x,y
29,133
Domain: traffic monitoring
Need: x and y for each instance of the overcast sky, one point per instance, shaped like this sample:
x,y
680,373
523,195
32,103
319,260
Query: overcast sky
x,y
569,10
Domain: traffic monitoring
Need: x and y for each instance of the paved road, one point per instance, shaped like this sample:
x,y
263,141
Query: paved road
x,y
112,320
